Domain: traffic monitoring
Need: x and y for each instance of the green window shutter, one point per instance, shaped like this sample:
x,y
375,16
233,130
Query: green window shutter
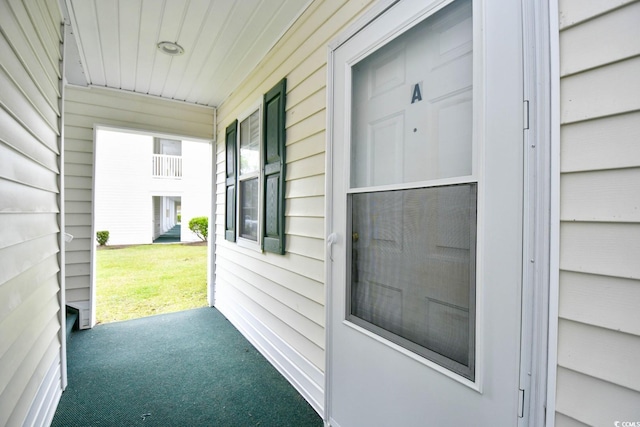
x,y
274,168
231,182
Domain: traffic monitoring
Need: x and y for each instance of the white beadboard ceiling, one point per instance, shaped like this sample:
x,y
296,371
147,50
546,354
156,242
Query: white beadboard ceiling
x,y
223,41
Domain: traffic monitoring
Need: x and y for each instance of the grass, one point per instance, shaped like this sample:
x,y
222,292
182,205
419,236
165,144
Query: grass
x,y
140,281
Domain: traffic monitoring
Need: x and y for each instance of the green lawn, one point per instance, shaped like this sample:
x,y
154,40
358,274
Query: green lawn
x,y
139,281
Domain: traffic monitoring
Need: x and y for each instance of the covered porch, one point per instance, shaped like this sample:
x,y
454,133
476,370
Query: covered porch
x,y
181,369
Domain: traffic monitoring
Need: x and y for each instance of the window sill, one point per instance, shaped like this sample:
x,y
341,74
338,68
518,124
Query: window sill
x,y
249,244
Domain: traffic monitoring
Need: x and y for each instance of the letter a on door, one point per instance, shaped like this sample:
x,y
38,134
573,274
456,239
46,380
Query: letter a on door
x,y
417,95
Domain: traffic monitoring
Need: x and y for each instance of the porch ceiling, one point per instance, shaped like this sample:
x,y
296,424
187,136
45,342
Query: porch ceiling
x,y
223,41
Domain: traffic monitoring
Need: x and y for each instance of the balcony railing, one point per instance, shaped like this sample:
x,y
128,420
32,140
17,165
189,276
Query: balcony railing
x,y
166,166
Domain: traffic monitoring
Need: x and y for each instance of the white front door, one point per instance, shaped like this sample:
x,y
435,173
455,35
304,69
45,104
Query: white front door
x,y
426,210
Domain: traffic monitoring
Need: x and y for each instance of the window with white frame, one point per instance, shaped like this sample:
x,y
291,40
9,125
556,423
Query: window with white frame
x,y
255,174
249,170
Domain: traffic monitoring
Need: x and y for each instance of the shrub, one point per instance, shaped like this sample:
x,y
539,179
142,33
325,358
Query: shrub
x,y
102,237
179,217
200,226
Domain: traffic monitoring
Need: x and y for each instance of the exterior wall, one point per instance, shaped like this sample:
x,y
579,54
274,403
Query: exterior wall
x,y
84,109
598,379
125,187
278,301
30,280
123,204
196,193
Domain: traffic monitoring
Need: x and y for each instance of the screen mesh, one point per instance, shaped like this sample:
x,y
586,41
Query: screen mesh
x,y
413,270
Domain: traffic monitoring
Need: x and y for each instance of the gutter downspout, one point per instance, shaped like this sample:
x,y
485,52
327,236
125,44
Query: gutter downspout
x,y
211,246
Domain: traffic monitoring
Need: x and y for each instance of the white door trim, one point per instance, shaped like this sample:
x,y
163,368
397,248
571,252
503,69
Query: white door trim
x,y
541,251
376,10
328,225
553,105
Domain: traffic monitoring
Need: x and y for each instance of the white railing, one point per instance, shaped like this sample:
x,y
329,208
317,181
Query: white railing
x,y
166,166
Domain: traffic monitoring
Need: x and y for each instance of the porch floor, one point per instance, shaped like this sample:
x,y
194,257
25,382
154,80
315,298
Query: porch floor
x,y
190,368
171,236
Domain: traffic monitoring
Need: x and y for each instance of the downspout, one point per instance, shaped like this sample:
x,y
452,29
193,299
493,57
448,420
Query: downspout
x,y
211,246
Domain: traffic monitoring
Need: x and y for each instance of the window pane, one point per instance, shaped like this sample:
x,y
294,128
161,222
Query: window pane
x,y
250,144
249,193
413,270
412,104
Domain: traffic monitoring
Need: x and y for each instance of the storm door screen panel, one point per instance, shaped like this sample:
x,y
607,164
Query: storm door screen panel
x,y
413,245
413,270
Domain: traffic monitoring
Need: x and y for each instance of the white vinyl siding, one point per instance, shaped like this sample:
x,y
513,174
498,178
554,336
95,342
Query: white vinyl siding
x,y
285,293
84,109
599,334
123,202
125,187
30,311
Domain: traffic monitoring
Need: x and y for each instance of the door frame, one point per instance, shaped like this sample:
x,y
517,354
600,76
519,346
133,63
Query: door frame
x,y
541,207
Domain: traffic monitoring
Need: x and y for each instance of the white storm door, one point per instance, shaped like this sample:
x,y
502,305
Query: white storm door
x,y
425,277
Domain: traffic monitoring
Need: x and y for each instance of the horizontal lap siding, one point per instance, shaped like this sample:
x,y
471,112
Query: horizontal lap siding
x,y
599,334
85,108
30,90
585,397
286,293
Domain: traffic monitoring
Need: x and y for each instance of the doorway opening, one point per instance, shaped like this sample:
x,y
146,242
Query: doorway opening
x,y
147,188
167,225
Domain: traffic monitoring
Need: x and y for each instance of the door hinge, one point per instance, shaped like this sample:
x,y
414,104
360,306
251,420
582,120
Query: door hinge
x,y
520,403
526,115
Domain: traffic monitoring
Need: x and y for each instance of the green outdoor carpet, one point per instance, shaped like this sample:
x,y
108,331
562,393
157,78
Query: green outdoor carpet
x,y
171,236
191,368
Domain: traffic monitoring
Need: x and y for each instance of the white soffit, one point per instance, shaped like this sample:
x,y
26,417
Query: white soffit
x,y
223,41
